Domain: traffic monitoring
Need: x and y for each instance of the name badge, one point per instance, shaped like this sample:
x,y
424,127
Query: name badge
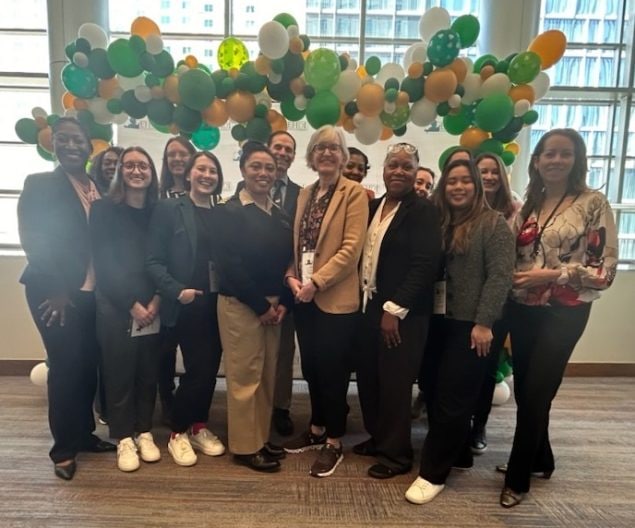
x,y
152,329
213,277
439,298
306,268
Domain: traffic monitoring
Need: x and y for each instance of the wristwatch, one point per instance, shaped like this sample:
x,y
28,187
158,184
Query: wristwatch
x,y
564,276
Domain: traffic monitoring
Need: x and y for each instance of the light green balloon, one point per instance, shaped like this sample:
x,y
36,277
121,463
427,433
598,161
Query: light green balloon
x,y
322,68
232,53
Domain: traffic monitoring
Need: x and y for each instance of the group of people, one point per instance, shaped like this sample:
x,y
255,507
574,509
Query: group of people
x,y
419,283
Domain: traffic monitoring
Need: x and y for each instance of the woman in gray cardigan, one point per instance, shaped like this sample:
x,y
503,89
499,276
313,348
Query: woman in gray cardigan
x,y
479,261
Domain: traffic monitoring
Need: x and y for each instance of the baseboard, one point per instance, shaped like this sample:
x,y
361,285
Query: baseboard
x,y
22,367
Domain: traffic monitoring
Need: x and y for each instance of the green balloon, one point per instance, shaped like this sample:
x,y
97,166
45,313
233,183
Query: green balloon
x,y
196,89
508,158
530,117
99,65
52,119
289,110
70,50
456,124
445,155
254,83
227,86
286,19
322,68
510,132
238,133
401,131
114,106
524,67
494,112
391,95
468,28
82,45
123,59
137,44
164,64
391,84
161,128
98,131
86,118
45,154
132,106
186,119
160,111
277,66
81,82
279,91
444,47
323,109
261,110
413,87
152,80
293,66
206,137
372,65
27,130
147,61
397,119
492,146
306,41
232,53
258,129
480,62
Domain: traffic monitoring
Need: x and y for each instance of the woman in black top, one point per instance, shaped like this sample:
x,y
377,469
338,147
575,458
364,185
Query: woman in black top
x,y
176,156
254,253
180,260
127,304
103,167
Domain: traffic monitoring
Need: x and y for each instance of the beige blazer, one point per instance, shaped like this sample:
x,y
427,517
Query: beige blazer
x,y
339,246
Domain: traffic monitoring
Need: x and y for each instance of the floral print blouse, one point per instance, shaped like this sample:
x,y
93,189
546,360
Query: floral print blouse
x,y
583,238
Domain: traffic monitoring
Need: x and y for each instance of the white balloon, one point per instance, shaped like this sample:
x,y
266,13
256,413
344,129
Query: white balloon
x,y
390,70
98,108
293,31
540,85
521,107
358,119
80,59
389,107
154,44
369,131
273,40
423,112
39,112
120,119
70,112
497,83
263,98
433,20
472,86
183,68
347,86
130,83
454,101
275,78
501,393
143,93
417,52
39,374
94,34
300,102
352,64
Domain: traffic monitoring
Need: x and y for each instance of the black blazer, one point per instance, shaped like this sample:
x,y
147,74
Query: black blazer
x,y
54,234
409,256
290,198
171,253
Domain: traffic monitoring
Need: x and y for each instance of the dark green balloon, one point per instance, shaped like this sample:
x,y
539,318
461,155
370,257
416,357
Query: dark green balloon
x,y
114,106
81,44
186,119
226,87
286,19
391,83
401,131
351,108
279,91
132,106
277,66
289,110
98,131
468,28
530,117
27,130
70,50
164,64
52,119
258,129
508,157
293,66
306,41
443,109
238,133
480,62
494,112
373,65
261,110
160,111
196,89
456,124
510,131
308,91
99,65
161,128
123,60
152,80
147,61
45,154
137,44
323,109
413,87
81,82
491,145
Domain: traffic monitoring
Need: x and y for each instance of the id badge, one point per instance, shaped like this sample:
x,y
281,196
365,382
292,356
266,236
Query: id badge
x,y
306,269
213,277
439,298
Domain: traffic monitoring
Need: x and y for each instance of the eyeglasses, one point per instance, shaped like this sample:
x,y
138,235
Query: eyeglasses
x,y
406,147
131,165
321,148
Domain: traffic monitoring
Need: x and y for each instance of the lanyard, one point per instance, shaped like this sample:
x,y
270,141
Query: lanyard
x,y
542,227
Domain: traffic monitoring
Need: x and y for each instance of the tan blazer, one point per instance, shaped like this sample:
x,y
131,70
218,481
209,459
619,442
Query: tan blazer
x,y
339,246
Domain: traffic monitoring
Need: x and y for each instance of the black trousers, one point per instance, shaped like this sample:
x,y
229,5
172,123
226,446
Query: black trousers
x,y
543,339
73,353
459,380
196,331
431,351
167,367
384,380
326,345
129,371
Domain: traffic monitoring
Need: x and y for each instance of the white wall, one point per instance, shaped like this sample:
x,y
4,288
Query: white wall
x,y
609,338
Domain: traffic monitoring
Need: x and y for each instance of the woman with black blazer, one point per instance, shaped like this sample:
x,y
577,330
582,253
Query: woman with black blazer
x,y
180,260
59,284
127,306
254,253
399,266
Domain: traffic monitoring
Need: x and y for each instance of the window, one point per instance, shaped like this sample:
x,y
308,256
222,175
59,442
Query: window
x,y
250,9
208,23
165,4
208,8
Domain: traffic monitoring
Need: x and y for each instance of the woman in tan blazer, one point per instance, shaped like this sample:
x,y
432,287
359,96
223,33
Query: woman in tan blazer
x,y
330,226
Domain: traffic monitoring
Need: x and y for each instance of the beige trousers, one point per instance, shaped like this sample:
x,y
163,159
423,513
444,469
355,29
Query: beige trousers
x,y
250,350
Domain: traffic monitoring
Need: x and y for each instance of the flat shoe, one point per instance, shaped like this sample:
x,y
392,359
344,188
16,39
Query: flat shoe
x,y
509,498
258,462
274,451
365,448
97,445
380,471
65,472
502,468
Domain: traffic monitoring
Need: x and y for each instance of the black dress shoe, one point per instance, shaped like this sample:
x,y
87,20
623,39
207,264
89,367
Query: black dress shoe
x,y
502,468
478,442
365,448
65,472
97,445
275,451
259,461
282,422
509,498
380,471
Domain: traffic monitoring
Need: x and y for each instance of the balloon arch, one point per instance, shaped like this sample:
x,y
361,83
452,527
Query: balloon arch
x,y
485,103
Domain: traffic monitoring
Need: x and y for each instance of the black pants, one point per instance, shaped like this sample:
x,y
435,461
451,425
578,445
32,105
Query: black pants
x,y
384,379
196,331
73,353
129,371
543,339
326,344
429,369
460,376
167,367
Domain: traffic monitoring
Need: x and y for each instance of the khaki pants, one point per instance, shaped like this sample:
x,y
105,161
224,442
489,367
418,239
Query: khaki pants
x,y
250,350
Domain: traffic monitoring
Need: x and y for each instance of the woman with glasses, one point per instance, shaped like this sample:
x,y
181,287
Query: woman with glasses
x,y
181,261
398,269
479,260
103,167
127,306
59,285
329,230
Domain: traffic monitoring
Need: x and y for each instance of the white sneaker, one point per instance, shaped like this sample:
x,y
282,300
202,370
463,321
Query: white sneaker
x,y
207,443
147,448
127,458
422,491
181,450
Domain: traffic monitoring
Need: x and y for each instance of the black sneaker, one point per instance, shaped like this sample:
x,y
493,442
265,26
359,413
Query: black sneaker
x,y
329,458
305,442
478,441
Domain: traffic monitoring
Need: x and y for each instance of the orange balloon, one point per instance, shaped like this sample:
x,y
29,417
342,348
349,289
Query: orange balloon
x,y
440,85
386,133
361,71
174,129
191,61
108,87
41,122
296,46
297,85
279,123
370,99
99,145
402,98
522,91
415,70
80,104
347,124
459,67
233,73
487,71
144,27
263,65
157,92
67,100
240,106
171,88
514,148
549,46
45,139
472,137
216,113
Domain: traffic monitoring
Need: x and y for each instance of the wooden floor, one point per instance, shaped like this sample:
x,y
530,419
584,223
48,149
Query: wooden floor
x,y
593,486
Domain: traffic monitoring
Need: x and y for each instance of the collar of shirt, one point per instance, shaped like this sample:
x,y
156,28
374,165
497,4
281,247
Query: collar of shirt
x,y
246,199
